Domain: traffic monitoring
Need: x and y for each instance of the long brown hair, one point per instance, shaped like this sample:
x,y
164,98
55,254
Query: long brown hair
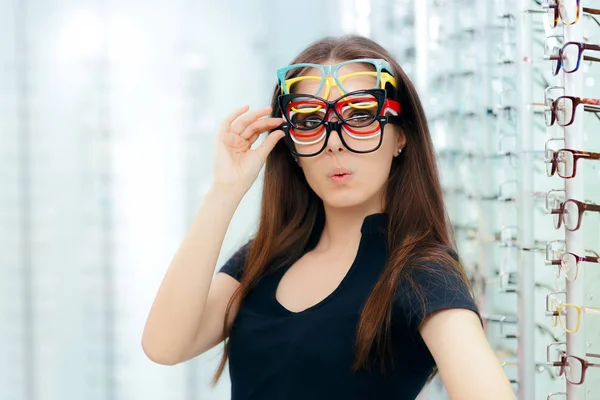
x,y
418,225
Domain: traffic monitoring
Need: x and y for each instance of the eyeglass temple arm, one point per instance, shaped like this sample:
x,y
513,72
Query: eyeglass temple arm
x,y
595,103
592,17
586,154
593,59
535,11
503,319
594,11
595,356
592,311
592,109
592,207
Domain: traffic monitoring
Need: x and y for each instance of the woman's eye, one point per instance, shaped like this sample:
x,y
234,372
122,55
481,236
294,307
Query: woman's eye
x,y
360,116
309,123
312,123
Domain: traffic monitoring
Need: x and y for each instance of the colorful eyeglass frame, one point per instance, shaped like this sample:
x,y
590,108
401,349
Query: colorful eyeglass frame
x,y
558,311
569,56
379,65
314,125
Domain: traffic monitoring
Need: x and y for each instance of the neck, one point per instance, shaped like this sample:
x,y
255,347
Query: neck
x,y
343,228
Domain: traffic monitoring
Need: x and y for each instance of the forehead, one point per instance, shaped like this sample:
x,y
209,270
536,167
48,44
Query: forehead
x,y
356,80
344,69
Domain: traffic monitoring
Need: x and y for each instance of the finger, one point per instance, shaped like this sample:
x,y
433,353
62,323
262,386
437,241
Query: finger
x,y
268,144
260,126
241,123
252,139
226,124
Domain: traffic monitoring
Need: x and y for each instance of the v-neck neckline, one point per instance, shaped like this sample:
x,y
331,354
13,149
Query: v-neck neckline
x,y
328,298
372,224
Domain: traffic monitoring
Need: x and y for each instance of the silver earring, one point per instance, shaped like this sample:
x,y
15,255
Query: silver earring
x,y
399,150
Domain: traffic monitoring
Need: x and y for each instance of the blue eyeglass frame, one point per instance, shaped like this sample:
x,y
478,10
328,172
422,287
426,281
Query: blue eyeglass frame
x,y
378,63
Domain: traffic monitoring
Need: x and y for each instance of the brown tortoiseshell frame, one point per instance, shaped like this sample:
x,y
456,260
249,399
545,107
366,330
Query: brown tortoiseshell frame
x,y
577,154
576,102
553,19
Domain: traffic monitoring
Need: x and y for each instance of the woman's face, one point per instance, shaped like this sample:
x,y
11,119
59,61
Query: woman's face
x,y
368,172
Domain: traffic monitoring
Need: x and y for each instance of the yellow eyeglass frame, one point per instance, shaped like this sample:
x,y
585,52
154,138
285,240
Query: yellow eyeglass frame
x,y
330,81
559,308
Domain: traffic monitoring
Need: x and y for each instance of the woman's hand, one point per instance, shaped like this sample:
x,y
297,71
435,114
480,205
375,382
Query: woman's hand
x,y
236,166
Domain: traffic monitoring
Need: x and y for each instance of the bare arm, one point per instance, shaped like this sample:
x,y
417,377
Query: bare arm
x,y
188,313
176,314
468,366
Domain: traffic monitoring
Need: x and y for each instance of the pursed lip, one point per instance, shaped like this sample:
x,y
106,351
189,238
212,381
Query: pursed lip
x,y
339,171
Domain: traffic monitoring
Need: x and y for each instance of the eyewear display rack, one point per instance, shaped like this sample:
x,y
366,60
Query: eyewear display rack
x,y
506,147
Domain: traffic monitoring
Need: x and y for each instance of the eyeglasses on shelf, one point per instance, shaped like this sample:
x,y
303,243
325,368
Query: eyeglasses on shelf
x,y
562,109
564,161
568,315
570,213
574,368
568,11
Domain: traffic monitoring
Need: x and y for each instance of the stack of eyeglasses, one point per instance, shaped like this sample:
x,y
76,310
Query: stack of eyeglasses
x,y
365,102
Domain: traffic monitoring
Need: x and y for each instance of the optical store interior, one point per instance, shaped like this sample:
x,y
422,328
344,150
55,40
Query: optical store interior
x,y
108,114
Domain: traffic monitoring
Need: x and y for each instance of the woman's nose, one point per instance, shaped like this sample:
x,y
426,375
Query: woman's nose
x,y
334,93
334,142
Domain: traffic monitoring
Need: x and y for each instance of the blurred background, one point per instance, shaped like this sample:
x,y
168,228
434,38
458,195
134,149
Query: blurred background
x,y
108,112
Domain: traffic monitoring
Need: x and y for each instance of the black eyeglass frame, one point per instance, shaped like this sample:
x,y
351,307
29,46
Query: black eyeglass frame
x,y
379,94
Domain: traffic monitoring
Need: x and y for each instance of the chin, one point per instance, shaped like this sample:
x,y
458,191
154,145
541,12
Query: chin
x,y
344,198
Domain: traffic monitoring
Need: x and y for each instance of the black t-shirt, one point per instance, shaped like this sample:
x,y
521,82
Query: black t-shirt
x,y
277,354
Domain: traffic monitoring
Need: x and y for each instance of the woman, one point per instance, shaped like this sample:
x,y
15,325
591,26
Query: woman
x,y
351,288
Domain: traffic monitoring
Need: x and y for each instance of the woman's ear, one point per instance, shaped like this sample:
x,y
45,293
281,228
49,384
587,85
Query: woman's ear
x,y
400,142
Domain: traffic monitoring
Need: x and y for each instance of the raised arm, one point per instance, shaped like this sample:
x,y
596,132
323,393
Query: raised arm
x,y
187,315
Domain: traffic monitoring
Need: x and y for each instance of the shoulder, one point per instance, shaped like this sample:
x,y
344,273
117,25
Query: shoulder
x,y
438,267
433,283
234,266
